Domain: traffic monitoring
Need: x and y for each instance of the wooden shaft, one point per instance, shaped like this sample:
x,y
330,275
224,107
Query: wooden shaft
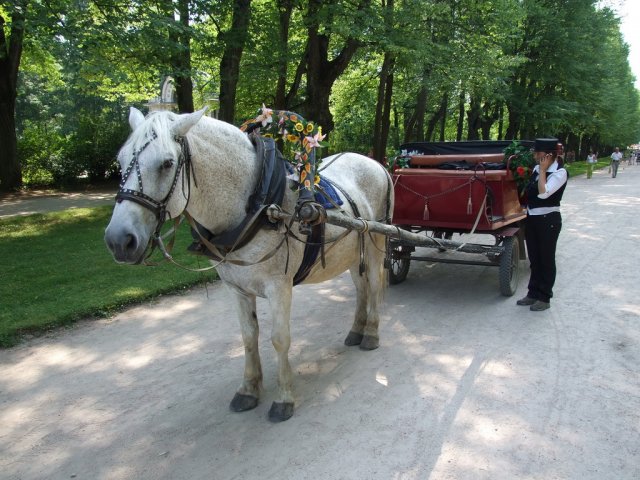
x,y
395,233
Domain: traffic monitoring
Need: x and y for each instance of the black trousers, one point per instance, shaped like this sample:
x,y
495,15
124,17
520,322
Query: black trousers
x,y
541,235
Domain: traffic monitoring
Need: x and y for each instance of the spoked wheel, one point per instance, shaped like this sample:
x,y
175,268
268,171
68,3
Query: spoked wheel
x,y
509,266
399,266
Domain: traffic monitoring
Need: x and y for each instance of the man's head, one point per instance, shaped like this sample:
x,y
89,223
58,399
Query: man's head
x,y
545,146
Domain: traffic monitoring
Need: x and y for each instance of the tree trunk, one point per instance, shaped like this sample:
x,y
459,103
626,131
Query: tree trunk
x,y
284,15
500,120
383,105
488,118
414,124
181,62
473,119
234,41
437,117
10,54
461,101
322,72
443,123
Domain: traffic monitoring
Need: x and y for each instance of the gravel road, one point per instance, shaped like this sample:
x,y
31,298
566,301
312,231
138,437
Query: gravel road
x,y
465,384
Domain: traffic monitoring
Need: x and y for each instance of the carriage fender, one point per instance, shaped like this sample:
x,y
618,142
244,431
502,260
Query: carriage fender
x,y
519,234
509,231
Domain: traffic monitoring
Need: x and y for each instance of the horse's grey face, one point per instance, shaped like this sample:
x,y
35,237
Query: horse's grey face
x,y
153,168
132,224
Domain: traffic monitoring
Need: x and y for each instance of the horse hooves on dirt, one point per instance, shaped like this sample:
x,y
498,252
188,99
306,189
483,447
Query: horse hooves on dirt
x,y
242,403
279,412
353,339
369,343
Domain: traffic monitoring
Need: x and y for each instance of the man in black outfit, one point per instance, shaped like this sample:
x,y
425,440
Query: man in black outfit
x,y
543,223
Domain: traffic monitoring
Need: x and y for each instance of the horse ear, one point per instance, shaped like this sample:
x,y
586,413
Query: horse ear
x,y
136,118
184,123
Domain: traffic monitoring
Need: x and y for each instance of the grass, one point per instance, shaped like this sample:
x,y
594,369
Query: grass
x,y
580,168
57,270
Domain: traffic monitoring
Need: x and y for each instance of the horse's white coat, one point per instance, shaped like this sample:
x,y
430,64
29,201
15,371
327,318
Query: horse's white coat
x,y
224,163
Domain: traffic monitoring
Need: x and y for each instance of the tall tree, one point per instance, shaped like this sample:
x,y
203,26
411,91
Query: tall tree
x,y
10,55
326,61
385,89
234,40
181,58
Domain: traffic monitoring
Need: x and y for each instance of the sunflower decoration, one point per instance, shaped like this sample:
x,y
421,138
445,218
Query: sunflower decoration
x,y
520,161
300,138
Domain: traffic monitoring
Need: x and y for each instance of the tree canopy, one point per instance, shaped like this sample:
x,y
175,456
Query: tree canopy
x,y
374,74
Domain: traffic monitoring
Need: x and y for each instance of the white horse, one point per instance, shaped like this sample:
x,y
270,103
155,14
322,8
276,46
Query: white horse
x,y
212,180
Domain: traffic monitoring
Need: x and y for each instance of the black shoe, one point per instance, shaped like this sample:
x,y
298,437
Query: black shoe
x,y
539,306
526,301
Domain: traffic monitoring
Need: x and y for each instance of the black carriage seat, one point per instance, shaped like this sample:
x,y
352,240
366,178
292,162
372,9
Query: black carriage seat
x,y
421,161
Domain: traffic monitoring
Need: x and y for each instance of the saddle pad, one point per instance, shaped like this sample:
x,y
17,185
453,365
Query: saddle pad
x,y
329,189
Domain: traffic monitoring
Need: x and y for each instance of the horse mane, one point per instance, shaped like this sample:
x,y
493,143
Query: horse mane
x,y
158,123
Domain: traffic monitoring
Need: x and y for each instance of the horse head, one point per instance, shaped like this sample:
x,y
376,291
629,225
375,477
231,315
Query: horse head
x,y
155,184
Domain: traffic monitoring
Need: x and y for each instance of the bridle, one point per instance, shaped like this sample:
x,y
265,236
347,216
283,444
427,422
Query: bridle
x,y
159,208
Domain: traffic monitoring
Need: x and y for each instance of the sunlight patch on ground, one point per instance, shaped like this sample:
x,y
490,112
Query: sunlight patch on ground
x,y
381,378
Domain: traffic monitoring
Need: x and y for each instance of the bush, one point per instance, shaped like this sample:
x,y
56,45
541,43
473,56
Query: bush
x,y
42,152
50,158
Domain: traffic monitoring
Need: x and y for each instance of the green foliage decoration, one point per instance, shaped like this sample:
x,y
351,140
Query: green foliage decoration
x,y
520,161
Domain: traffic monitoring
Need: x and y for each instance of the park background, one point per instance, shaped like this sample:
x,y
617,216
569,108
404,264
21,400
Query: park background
x,y
374,75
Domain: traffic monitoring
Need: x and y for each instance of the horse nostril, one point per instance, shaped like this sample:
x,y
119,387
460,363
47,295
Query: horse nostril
x,y
130,243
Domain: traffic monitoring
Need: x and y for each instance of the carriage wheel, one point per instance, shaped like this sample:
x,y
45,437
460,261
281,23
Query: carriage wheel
x,y
399,267
509,266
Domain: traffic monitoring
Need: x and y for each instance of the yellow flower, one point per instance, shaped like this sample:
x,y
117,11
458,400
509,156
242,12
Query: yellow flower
x,y
292,138
299,127
267,135
309,127
316,180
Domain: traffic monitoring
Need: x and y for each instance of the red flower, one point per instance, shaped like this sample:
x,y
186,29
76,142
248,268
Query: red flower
x,y
521,170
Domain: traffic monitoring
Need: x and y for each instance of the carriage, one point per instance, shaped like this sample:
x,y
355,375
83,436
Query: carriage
x,y
447,188
210,172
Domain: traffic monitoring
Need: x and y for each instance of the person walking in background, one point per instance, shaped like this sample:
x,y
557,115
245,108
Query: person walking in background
x,y
616,157
591,161
543,223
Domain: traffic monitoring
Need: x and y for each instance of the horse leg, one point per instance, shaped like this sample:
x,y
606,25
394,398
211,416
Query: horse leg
x,y
356,334
369,290
280,303
248,395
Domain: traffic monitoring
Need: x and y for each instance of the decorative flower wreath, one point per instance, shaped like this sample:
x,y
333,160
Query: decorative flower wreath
x,y
521,162
301,136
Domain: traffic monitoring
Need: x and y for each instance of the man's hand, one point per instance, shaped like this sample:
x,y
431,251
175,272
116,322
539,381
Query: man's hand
x,y
545,162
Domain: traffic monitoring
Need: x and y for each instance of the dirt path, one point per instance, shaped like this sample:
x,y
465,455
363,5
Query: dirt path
x,y
29,203
465,385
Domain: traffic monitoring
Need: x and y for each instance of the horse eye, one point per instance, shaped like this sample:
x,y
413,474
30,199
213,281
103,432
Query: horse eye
x,y
167,164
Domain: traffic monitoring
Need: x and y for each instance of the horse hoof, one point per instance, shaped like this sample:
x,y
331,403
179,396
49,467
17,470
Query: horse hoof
x,y
279,412
353,339
242,403
369,343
